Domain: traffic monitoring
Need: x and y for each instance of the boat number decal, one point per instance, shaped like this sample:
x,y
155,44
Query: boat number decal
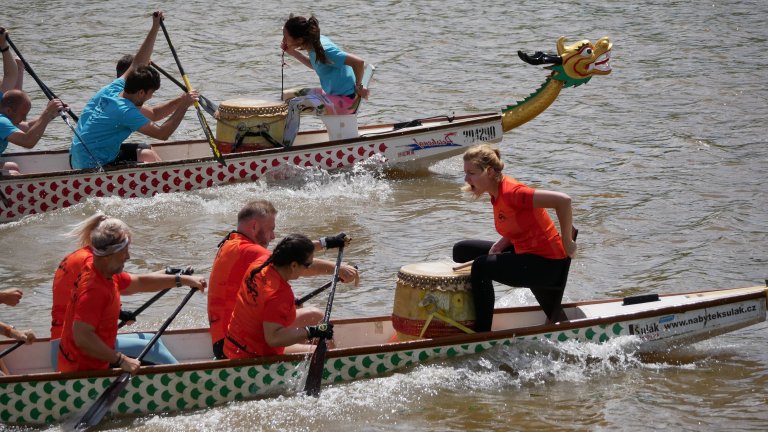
x,y
446,141
487,133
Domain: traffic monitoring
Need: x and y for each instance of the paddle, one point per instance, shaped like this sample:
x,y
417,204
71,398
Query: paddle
x,y
131,316
209,106
99,408
206,129
317,362
11,349
48,93
302,300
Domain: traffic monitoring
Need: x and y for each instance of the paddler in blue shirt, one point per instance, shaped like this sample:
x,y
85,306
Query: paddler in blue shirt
x,y
113,114
14,107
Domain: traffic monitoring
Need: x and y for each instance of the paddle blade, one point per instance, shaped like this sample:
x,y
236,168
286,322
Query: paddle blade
x,y
100,407
315,372
211,143
209,106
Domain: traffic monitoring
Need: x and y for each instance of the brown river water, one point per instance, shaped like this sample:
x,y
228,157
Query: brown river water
x,y
664,159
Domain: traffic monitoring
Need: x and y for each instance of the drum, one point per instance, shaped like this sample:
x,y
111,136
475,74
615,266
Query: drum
x,y
428,292
252,120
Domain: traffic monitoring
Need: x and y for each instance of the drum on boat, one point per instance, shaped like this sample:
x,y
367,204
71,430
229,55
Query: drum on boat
x,y
432,300
250,124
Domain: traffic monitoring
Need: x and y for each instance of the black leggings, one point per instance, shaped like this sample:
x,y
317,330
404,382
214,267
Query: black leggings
x,y
544,276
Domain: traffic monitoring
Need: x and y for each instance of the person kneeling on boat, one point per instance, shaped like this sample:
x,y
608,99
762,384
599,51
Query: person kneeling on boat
x,y
340,73
90,324
265,320
530,253
114,113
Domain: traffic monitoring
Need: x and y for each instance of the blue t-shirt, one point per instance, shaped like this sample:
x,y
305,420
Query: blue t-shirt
x,y
336,78
107,120
6,129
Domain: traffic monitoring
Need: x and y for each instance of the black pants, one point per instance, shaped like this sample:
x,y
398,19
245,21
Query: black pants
x,y
544,276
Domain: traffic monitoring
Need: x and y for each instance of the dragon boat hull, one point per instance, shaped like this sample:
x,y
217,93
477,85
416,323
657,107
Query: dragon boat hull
x,y
365,348
187,165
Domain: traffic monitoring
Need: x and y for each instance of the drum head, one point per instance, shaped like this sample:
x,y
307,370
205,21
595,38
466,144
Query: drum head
x,y
433,269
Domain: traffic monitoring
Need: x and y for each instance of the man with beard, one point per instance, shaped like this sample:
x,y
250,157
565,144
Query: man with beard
x,y
114,113
243,247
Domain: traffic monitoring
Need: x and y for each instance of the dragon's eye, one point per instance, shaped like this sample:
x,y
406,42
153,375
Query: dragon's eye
x,y
586,51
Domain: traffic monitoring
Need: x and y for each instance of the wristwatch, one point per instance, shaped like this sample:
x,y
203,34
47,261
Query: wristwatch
x,y
178,281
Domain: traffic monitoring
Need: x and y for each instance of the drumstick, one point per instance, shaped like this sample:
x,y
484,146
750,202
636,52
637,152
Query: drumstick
x,y
463,266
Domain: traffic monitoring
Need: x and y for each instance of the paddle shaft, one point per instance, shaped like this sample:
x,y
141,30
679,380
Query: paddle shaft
x,y
141,309
48,92
11,349
315,292
209,106
206,129
317,362
99,409
156,297
308,296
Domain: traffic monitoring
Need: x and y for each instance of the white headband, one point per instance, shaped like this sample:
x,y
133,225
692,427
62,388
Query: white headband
x,y
111,249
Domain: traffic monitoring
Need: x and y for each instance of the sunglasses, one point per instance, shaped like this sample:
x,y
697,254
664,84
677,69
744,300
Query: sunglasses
x,y
307,264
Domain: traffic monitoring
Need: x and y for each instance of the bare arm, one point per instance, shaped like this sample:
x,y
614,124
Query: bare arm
x,y
562,205
161,110
298,55
151,282
30,137
144,54
11,296
320,267
278,336
358,67
10,71
164,131
91,344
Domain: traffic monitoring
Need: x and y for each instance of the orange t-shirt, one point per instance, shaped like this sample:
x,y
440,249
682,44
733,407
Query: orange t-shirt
x,y
95,301
266,297
530,230
63,283
232,260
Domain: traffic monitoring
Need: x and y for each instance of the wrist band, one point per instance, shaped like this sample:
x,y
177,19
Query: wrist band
x,y
6,49
178,281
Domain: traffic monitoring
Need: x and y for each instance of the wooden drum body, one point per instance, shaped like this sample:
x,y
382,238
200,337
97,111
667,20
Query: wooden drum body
x,y
250,119
432,300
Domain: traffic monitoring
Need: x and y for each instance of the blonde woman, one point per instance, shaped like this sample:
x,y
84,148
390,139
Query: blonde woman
x,y
530,252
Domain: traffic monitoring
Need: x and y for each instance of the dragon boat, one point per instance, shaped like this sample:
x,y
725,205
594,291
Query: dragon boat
x,y
48,182
364,348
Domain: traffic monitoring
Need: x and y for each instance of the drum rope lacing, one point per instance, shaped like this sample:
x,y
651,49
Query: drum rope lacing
x,y
441,283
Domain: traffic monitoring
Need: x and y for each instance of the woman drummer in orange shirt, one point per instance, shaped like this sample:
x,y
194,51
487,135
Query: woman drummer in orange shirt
x,y
530,253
